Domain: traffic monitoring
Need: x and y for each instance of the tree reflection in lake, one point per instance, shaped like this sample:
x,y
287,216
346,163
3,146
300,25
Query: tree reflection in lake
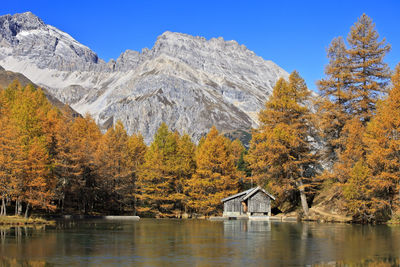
x,y
154,242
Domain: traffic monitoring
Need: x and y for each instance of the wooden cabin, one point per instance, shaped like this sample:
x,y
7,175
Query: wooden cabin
x,y
253,202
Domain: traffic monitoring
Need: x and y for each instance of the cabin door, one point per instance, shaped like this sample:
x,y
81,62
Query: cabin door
x,y
244,207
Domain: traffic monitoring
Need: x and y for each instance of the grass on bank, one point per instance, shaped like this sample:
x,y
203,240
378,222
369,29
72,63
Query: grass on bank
x,y
19,220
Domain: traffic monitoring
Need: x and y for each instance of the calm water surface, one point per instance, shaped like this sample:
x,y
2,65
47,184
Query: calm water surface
x,y
152,242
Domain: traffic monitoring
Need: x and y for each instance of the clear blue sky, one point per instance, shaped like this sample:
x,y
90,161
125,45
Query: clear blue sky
x,y
293,34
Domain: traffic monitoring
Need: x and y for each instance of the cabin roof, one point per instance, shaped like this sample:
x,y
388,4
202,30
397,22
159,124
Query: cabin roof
x,y
238,194
256,190
248,193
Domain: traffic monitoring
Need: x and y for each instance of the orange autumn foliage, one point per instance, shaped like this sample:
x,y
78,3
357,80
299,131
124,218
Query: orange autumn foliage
x,y
168,164
216,176
280,153
383,145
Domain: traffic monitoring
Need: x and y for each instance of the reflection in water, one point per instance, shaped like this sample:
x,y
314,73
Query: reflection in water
x,y
365,262
6,261
233,227
198,242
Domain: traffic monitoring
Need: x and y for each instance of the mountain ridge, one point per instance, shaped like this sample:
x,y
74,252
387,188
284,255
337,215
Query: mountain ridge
x,y
189,82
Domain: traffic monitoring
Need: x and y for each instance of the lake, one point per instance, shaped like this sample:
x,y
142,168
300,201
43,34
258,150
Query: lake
x,y
152,242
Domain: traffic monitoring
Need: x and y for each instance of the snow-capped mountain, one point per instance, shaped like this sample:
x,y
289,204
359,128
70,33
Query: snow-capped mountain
x,y
188,82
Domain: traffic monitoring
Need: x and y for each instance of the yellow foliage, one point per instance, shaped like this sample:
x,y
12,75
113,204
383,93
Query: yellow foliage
x,y
168,164
216,176
280,150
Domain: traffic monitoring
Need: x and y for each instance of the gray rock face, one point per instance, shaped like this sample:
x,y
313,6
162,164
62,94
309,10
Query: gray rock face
x,y
188,82
27,36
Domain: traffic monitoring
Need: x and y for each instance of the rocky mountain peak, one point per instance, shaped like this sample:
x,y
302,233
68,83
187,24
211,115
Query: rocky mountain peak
x,y
10,26
28,21
180,42
21,21
188,82
25,35
177,37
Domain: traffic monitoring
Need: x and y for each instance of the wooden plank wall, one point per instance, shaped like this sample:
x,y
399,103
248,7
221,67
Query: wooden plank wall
x,y
259,203
233,205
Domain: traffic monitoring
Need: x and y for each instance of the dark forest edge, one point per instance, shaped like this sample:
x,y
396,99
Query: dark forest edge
x,y
338,159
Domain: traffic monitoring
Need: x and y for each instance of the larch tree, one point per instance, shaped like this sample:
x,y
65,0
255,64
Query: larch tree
x,y
66,166
357,78
34,184
136,153
216,176
85,140
118,159
185,167
238,150
354,150
8,153
169,163
383,145
156,181
114,175
333,106
359,194
369,73
9,96
280,155
76,163
39,185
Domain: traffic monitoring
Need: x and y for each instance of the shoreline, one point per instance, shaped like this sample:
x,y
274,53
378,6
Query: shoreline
x,y
51,220
94,217
22,221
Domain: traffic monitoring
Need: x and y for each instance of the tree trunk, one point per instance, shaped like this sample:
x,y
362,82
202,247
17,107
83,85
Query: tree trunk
x,y
26,210
303,197
3,207
62,203
18,208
